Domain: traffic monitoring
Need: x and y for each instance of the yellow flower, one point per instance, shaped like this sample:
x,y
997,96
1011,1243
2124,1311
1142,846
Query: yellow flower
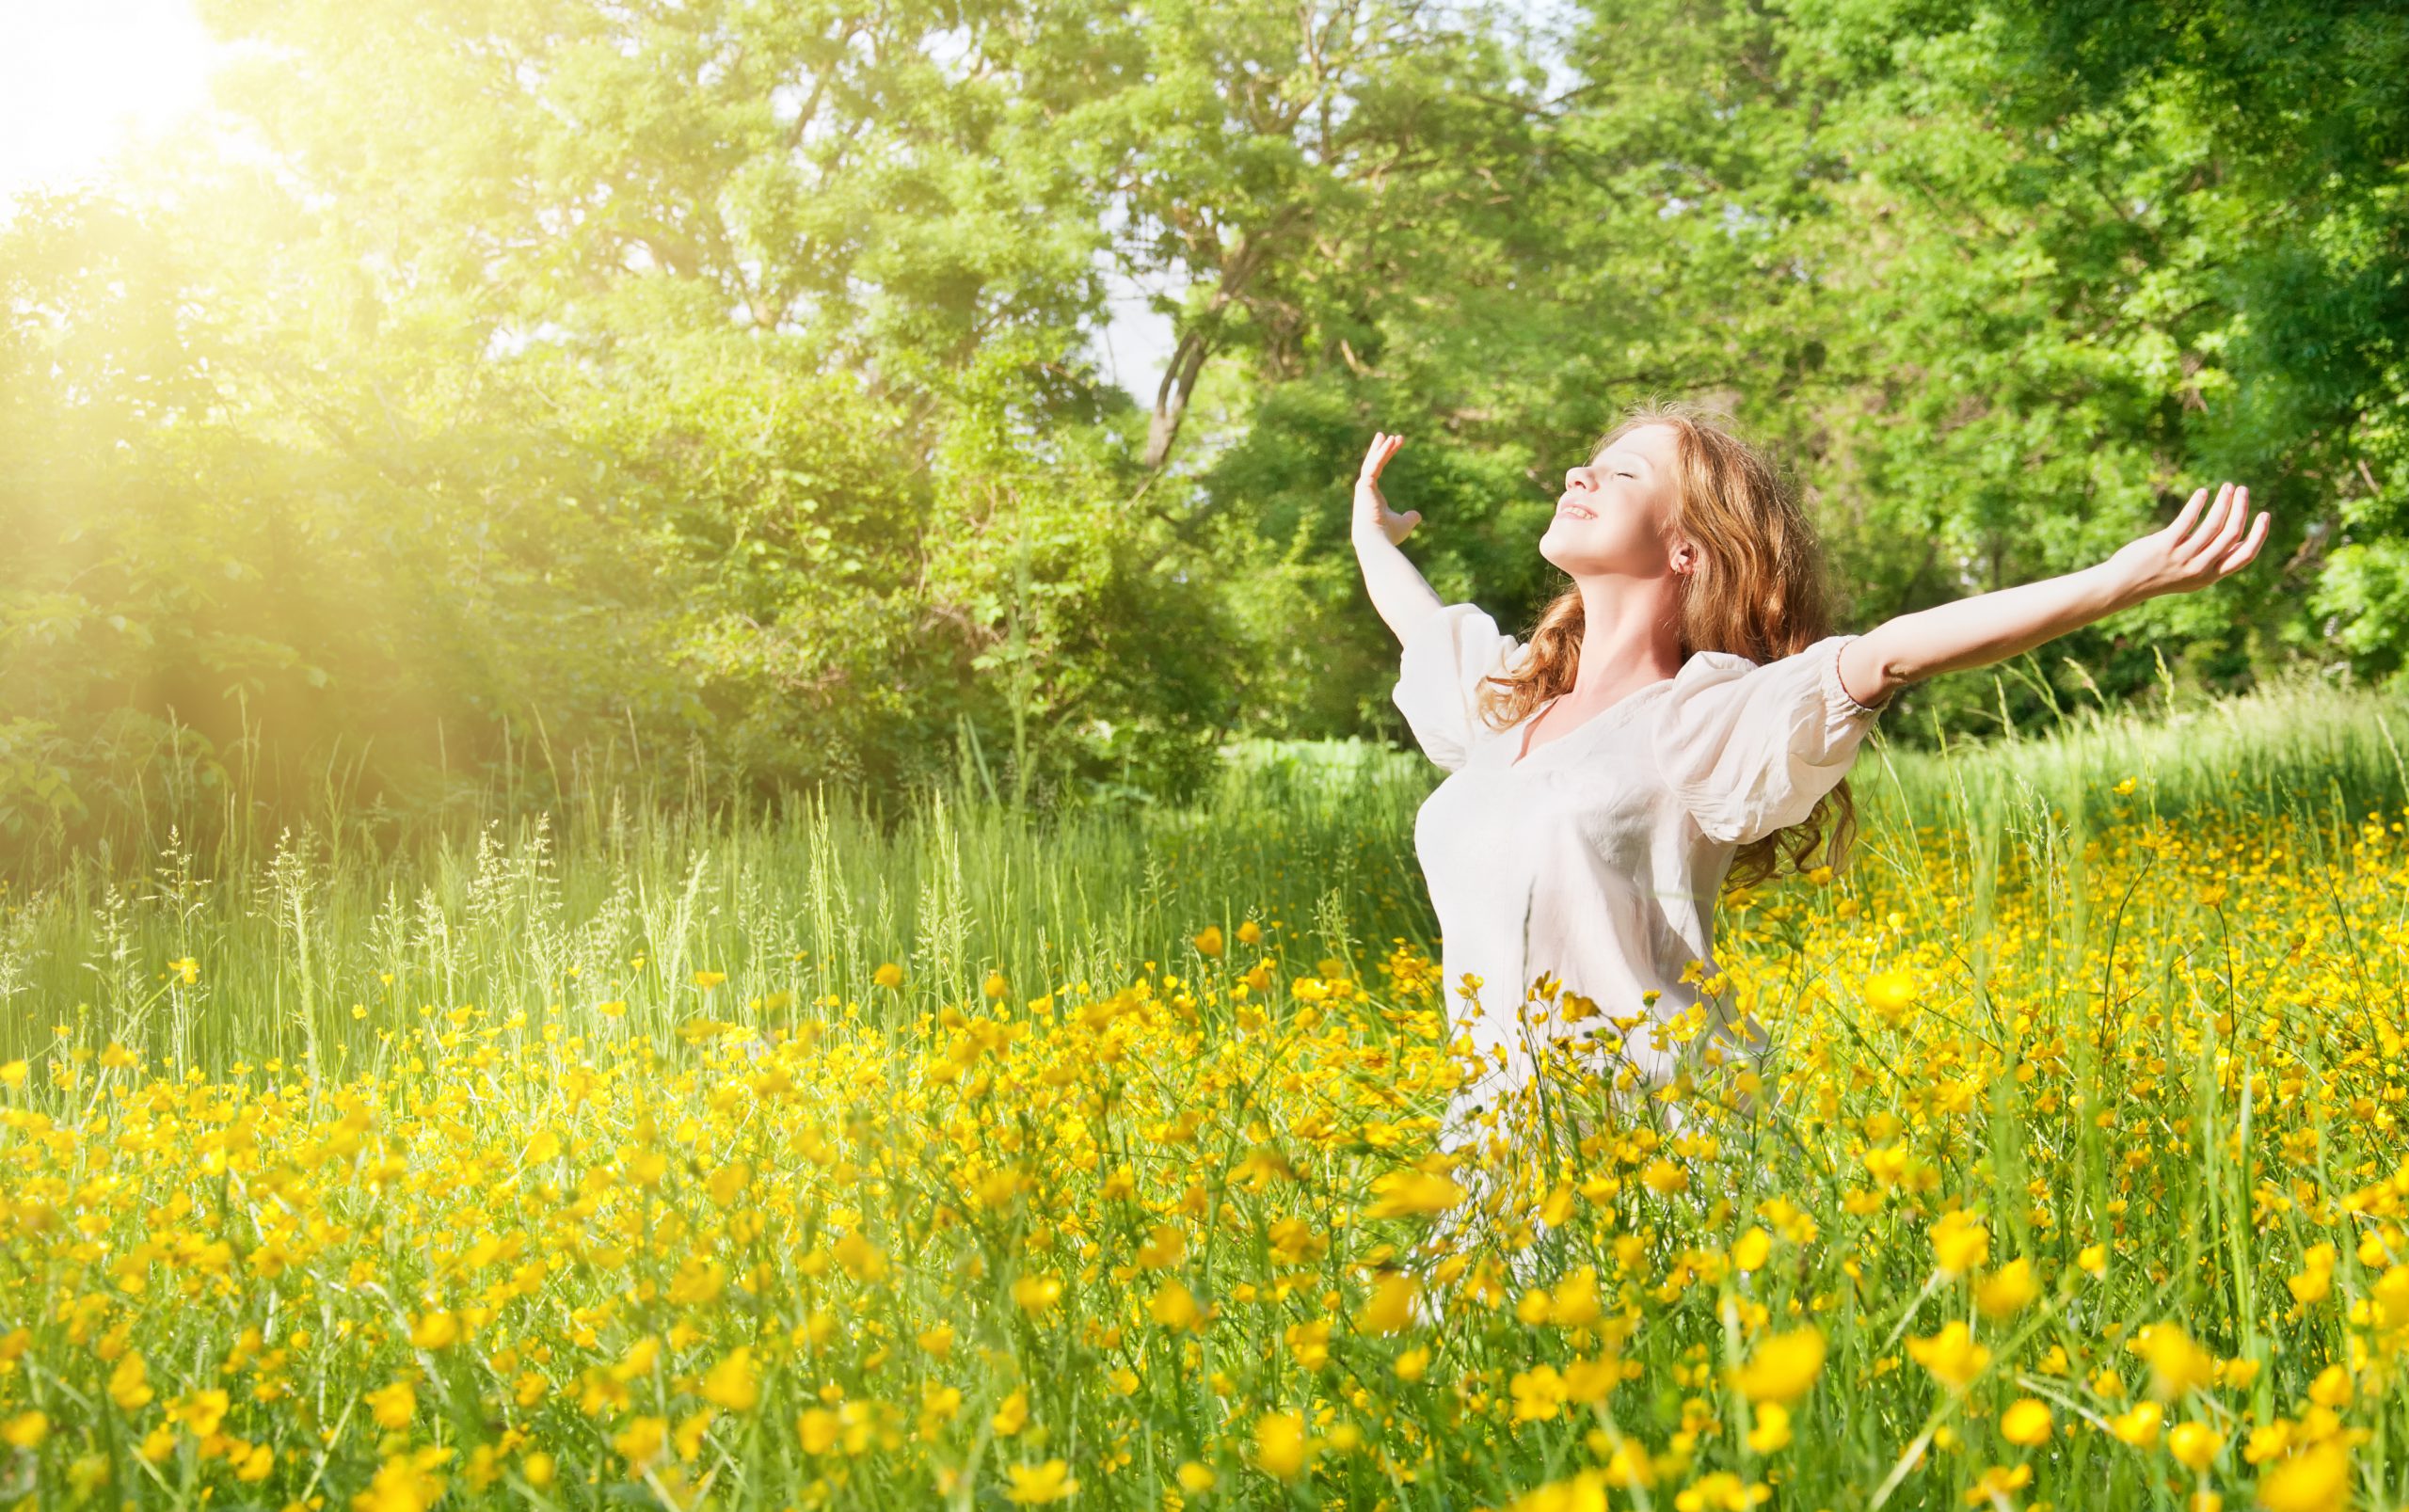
x,y
1997,1483
709,980
1410,1364
731,1383
642,1440
1959,1243
1752,1250
728,1181
537,1469
1890,993
819,1429
1390,1307
26,1430
1951,1355
438,1330
2006,1291
1539,1393
1197,1479
995,986
1783,1368
1250,932
401,1483
1575,1302
1208,942
203,1411
393,1406
1162,1248
1722,1492
2195,1445
1036,1485
2318,1479
1279,1445
129,1384
13,1073
2332,1387
2138,1428
1174,1306
1771,1432
1036,1293
2092,1259
1419,1193
187,969
1012,1415
1664,1178
2177,1364
2314,1283
2026,1422
889,975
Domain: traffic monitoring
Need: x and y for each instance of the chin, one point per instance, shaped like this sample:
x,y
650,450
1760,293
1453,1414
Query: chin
x,y
1567,556
1558,552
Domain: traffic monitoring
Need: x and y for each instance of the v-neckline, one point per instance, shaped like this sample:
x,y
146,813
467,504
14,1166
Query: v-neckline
x,y
1523,752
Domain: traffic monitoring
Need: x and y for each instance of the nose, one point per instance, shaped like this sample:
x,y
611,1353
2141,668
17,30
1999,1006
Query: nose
x,y
1576,478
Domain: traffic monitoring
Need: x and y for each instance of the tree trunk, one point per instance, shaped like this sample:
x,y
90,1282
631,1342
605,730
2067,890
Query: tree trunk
x,y
1171,400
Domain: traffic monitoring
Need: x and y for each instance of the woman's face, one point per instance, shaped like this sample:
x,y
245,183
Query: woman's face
x,y
1613,515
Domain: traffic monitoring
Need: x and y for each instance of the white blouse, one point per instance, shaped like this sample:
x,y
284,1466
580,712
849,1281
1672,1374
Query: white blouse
x,y
1597,856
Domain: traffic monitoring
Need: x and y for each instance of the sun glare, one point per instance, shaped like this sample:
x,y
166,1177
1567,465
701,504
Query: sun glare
x,y
79,83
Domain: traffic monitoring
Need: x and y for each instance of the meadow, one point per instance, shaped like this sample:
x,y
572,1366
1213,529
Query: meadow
x,y
653,1152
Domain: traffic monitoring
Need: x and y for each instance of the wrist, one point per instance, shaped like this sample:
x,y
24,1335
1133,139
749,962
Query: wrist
x,y
2120,585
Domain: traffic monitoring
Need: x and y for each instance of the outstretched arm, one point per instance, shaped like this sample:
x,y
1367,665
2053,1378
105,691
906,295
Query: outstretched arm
x,y
2192,551
1399,593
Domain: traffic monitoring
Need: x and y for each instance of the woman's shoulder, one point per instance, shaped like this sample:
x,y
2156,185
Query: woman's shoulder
x,y
1712,666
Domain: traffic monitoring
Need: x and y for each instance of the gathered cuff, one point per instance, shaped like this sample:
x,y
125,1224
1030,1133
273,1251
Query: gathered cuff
x,y
1837,691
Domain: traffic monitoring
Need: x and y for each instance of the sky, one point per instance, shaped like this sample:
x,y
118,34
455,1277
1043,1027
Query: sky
x,y
79,78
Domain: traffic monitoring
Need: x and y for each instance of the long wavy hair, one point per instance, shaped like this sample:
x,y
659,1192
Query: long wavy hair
x,y
1758,589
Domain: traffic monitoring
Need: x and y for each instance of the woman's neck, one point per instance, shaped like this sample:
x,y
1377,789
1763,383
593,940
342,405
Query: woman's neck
x,y
1630,635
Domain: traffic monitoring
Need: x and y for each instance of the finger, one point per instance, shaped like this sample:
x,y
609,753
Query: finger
x,y
2182,523
2242,555
2233,558
2205,532
2235,520
1387,450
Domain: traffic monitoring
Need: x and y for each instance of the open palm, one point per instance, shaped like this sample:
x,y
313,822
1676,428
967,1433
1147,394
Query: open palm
x,y
2194,549
1372,512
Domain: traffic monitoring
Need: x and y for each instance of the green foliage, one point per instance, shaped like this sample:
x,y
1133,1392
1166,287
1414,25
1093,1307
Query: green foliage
x,y
713,378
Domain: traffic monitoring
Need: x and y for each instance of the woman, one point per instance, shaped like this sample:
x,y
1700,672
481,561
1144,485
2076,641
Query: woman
x,y
1682,715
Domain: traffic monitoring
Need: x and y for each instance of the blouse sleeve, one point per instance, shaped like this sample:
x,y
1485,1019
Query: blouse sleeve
x,y
1438,688
1750,749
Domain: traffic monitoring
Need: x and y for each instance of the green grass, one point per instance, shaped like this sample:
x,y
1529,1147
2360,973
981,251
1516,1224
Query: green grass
x,y
495,908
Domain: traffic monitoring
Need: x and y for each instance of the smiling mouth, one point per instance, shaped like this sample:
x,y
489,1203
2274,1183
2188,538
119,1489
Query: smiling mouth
x,y
1576,510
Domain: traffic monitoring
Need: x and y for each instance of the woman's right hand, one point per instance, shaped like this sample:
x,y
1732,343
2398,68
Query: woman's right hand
x,y
1372,512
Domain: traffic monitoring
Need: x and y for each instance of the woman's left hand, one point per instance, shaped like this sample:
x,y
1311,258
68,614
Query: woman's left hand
x,y
2194,549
